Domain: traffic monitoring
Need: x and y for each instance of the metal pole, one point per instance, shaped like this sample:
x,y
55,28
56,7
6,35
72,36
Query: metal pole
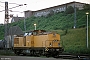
x,y
35,27
24,24
74,16
6,22
87,30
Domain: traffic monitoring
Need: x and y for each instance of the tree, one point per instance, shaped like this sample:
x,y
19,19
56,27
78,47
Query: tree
x,y
51,13
86,7
69,10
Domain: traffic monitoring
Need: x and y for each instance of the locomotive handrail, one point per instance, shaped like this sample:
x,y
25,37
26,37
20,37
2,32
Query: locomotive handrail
x,y
48,40
51,42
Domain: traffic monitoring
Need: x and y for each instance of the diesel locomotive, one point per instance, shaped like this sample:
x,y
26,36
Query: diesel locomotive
x,y
37,43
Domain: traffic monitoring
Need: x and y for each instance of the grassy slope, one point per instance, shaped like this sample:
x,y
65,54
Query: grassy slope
x,y
75,40
57,21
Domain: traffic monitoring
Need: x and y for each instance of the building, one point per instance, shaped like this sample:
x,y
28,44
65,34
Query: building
x,y
1,24
12,32
55,9
16,19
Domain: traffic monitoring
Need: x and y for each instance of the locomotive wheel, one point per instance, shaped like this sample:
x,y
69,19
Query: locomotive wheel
x,y
17,52
47,56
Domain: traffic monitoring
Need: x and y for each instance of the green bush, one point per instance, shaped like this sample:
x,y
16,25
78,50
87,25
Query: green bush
x,y
69,10
7,52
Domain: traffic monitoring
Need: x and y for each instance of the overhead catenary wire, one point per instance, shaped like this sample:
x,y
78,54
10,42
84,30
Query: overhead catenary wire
x,y
18,5
2,2
10,3
2,6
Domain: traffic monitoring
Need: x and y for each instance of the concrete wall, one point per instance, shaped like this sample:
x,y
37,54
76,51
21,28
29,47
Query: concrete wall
x,y
55,9
9,41
28,13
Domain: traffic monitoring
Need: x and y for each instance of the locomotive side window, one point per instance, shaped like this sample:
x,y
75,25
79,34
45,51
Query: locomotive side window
x,y
54,35
34,33
58,44
16,41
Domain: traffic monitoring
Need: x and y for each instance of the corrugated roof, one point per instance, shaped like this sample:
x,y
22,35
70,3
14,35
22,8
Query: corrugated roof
x,y
15,30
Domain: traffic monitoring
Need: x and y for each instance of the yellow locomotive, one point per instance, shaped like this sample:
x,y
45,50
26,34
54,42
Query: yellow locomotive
x,y
38,42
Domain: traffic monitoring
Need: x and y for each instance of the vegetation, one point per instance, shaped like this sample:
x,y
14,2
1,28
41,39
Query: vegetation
x,y
1,32
73,40
86,7
69,10
7,53
58,21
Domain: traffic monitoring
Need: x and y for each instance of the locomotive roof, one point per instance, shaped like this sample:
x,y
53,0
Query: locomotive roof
x,y
39,30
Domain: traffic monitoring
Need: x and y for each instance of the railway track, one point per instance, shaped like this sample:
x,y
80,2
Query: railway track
x,y
61,56
64,57
74,56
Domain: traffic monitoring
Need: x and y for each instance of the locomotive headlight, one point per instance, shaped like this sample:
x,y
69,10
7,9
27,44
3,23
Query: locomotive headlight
x,y
55,40
58,44
50,44
57,49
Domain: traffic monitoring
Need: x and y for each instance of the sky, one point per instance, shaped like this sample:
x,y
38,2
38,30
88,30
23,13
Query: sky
x,y
32,5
